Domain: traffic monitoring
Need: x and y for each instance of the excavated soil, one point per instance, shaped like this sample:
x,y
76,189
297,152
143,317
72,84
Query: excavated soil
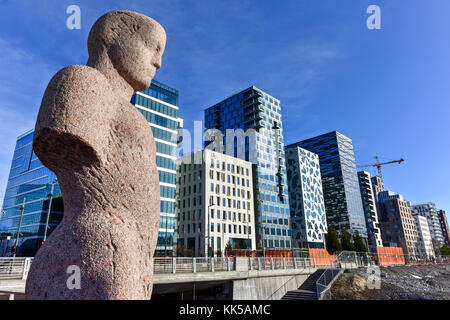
x,y
430,282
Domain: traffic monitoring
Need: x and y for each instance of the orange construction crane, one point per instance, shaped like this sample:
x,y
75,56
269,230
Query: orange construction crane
x,y
378,165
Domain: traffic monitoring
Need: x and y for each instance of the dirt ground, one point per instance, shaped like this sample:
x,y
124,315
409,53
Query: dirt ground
x,y
431,282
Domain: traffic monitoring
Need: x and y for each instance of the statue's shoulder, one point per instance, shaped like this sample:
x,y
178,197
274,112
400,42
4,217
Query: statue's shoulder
x,y
79,76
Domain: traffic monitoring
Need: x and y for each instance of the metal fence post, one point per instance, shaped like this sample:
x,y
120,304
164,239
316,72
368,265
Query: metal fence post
x,y
194,266
26,268
174,265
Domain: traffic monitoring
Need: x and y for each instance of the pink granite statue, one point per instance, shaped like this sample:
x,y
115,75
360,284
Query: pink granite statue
x,y
102,150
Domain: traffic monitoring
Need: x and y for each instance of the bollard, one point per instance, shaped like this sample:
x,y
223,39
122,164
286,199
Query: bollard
x,y
284,263
174,265
194,266
259,263
295,263
314,260
212,264
271,264
251,264
228,264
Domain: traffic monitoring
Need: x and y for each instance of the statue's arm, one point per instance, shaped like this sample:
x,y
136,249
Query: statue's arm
x,y
73,123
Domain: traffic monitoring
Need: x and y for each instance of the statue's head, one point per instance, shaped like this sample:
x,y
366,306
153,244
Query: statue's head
x,y
133,42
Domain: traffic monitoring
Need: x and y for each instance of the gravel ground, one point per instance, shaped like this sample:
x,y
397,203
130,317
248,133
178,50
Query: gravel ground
x,y
431,282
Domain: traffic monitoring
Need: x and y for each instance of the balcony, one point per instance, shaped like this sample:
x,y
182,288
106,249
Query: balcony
x,y
252,95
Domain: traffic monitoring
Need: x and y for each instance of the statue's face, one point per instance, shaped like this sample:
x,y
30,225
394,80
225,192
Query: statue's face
x,y
137,58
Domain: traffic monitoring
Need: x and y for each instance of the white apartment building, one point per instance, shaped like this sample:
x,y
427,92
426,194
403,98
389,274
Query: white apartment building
x,y
368,197
215,203
308,217
428,210
425,245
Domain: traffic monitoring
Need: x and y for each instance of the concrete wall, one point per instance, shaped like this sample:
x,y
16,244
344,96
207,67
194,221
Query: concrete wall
x,y
264,288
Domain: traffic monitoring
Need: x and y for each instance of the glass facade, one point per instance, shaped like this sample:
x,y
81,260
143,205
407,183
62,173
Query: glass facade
x,y
255,109
159,105
28,180
342,194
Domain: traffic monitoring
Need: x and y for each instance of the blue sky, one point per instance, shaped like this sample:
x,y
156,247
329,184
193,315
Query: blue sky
x,y
386,89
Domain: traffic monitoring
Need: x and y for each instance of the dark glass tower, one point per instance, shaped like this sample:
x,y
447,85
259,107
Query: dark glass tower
x,y
28,180
254,109
343,204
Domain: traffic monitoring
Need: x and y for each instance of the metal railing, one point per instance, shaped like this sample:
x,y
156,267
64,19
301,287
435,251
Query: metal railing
x,y
14,268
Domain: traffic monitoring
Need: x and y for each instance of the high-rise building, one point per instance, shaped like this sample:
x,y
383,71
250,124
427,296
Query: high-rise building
x,y
342,195
29,186
215,203
398,226
444,227
308,217
255,133
428,210
425,245
370,210
159,105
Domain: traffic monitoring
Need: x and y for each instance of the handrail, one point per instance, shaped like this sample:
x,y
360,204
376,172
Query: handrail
x,y
282,286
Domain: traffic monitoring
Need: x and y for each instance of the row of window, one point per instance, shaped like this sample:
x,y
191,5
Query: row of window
x,y
165,149
164,135
166,163
158,120
230,203
156,106
230,178
231,191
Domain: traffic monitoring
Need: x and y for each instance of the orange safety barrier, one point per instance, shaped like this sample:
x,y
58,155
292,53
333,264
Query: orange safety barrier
x,y
390,256
321,257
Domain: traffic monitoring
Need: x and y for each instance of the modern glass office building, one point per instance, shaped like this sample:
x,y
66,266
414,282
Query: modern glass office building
x,y
29,185
263,146
159,105
342,194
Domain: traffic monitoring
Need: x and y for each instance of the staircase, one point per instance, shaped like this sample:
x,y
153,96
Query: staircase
x,y
307,291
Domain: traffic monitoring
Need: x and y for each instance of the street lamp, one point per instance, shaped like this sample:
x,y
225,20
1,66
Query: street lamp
x,y
20,227
209,225
262,230
49,210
